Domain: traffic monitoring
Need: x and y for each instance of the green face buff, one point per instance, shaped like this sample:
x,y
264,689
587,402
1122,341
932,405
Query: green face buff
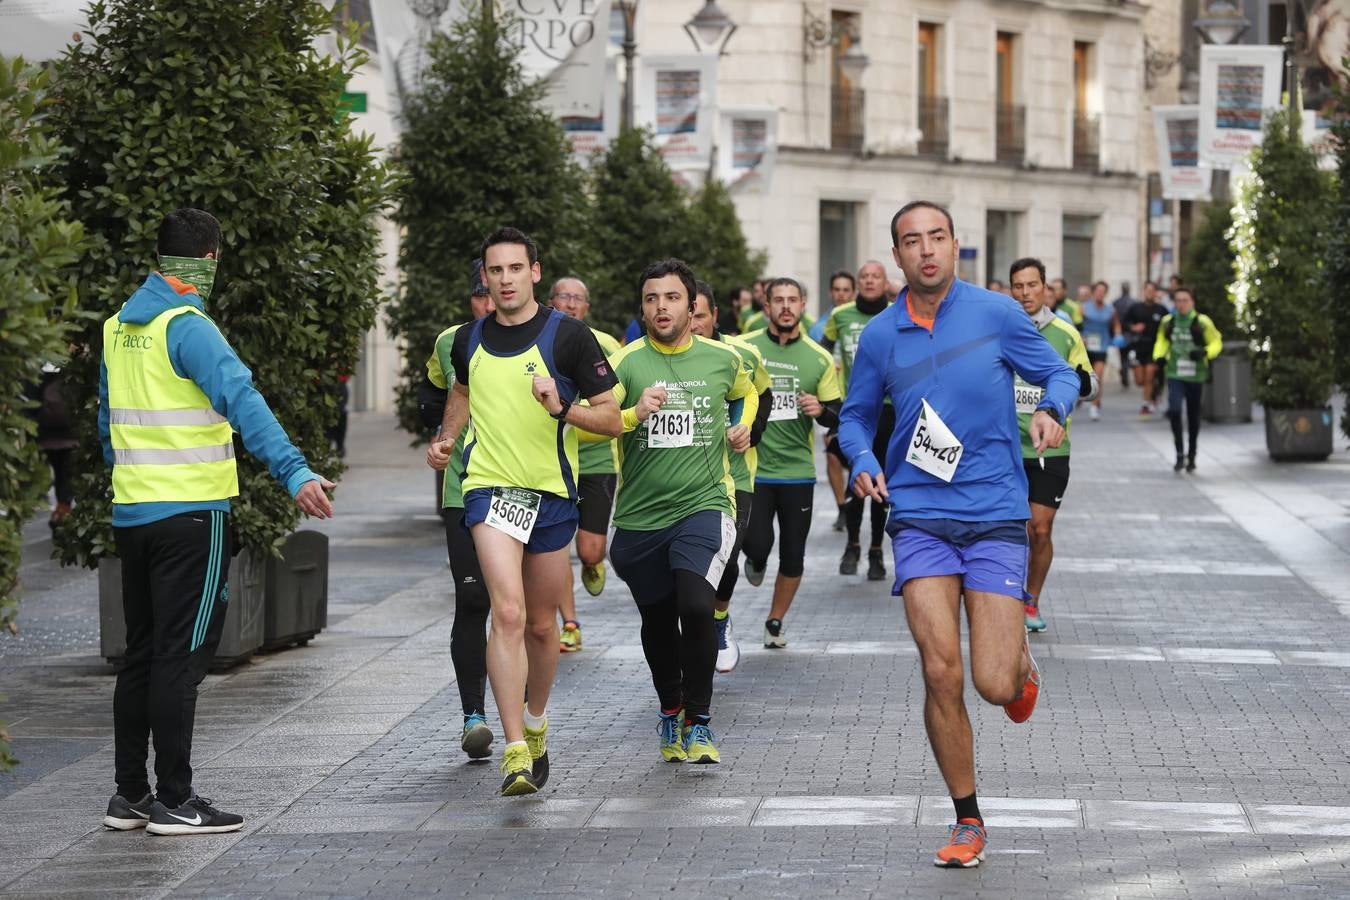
x,y
200,273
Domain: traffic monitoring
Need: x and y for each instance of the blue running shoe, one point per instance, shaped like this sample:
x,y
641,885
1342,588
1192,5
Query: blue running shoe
x,y
1033,616
477,738
672,744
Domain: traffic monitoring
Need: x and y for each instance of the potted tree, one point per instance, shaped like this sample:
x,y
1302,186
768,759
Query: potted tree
x,y
1209,274
234,108
1280,234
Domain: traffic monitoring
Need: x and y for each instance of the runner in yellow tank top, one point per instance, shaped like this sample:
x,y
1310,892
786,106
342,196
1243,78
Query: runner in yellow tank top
x,y
520,473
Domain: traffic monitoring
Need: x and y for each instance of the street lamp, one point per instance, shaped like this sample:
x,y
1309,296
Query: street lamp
x,y
628,8
710,29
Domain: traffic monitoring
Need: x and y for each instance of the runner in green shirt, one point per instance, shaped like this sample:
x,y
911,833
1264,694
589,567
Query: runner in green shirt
x,y
845,327
704,324
805,392
595,487
1186,342
686,404
468,632
843,291
1047,472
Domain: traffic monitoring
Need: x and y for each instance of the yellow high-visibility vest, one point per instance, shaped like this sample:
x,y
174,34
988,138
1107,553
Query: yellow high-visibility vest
x,y
168,443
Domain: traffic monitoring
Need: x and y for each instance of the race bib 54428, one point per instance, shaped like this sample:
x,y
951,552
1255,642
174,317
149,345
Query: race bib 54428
x,y
932,447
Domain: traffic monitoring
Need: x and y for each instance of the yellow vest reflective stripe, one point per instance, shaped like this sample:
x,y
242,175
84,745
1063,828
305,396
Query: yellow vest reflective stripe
x,y
168,443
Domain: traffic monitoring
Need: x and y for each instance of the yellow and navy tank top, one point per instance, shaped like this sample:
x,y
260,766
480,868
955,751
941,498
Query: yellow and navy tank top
x,y
515,442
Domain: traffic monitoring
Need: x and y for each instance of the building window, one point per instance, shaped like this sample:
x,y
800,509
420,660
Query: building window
x,y
838,246
1080,233
1001,243
1010,116
846,98
358,11
933,128
1086,123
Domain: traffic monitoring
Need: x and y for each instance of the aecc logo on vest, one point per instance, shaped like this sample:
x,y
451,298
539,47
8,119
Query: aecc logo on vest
x,y
130,341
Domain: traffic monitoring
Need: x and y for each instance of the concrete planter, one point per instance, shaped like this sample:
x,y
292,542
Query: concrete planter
x,y
1299,434
296,605
242,632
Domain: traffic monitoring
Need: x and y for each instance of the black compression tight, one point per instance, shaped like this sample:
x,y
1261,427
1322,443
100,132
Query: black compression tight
x,y
680,643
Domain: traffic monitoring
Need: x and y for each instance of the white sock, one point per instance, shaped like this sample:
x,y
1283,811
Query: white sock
x,y
533,722
517,744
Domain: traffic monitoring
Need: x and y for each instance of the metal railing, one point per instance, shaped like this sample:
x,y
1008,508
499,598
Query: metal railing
x,y
1010,133
1086,142
933,126
846,119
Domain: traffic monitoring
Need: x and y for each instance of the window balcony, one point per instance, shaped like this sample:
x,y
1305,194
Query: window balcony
x,y
1086,142
933,127
1010,134
846,119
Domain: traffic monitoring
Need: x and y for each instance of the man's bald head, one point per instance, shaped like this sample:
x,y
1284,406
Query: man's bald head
x,y
872,280
570,296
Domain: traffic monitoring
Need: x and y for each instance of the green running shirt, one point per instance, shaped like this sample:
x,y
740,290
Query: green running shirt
x,y
676,462
438,364
844,326
1068,343
786,452
743,464
601,459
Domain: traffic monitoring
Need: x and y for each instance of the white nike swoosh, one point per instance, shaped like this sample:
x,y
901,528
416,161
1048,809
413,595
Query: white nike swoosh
x,y
1058,499
1011,583
806,509
196,820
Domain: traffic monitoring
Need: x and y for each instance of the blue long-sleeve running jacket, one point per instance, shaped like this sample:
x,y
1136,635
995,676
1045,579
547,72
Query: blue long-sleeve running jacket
x,y
964,368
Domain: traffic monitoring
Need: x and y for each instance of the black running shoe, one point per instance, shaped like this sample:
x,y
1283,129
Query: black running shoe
x,y
753,573
848,563
876,566
839,521
1190,464
1180,464
195,816
124,815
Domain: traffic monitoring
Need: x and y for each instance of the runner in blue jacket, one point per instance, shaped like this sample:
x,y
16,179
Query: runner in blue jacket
x,y
945,354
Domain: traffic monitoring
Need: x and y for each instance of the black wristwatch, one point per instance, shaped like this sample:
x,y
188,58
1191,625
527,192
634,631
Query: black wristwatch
x,y
1052,412
561,415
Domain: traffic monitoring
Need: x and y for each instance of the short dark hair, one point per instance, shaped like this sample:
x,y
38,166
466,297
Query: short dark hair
x,y
843,273
1060,281
508,235
1182,289
919,204
702,287
1102,283
784,281
671,266
188,232
995,281
1028,262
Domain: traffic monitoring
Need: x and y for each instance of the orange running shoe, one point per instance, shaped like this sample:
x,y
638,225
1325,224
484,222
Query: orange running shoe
x,y
965,847
1020,709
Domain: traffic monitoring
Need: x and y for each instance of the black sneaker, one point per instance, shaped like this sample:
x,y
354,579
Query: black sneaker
x,y
753,573
195,816
1180,464
876,566
1190,464
848,563
124,815
839,523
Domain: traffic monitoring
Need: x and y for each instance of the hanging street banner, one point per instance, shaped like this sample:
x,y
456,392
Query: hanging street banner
x,y
561,42
747,147
590,135
1238,85
675,96
1176,130
40,30
1317,136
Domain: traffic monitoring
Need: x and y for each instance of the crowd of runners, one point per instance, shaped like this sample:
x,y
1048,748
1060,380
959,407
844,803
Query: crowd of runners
x,y
943,407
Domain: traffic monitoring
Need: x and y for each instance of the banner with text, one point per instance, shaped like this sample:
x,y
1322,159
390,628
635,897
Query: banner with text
x,y
1177,132
1238,85
561,41
590,135
675,94
747,148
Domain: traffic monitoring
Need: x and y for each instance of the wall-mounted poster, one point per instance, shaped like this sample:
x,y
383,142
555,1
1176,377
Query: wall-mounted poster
x,y
675,96
1177,132
590,135
747,148
1238,85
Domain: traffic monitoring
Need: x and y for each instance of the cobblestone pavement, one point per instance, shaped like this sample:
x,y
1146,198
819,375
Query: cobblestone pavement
x,y
1190,739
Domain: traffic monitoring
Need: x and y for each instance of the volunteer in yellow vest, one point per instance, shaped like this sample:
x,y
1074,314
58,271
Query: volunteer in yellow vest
x,y
468,633
171,394
518,374
1186,342
599,477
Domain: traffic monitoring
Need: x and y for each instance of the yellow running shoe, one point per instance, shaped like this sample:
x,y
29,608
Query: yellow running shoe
x,y
698,744
518,772
538,744
672,743
593,578
569,639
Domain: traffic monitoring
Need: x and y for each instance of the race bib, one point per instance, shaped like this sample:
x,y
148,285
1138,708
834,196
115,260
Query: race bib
x,y
932,447
1186,368
1027,396
670,428
513,511
783,405
1094,343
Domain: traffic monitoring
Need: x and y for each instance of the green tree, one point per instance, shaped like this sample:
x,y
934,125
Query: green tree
x,y
38,250
1279,237
229,106
1338,255
1209,269
721,255
477,152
